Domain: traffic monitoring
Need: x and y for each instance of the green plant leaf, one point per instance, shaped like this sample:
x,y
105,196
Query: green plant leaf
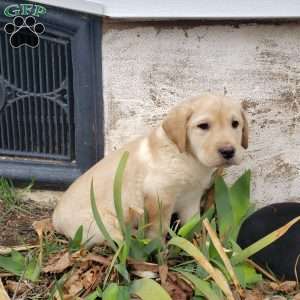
x,y
148,289
240,197
17,264
115,292
224,209
17,257
121,268
33,269
93,296
235,246
262,243
216,274
194,224
125,229
240,202
117,193
99,221
58,286
217,290
202,287
152,246
141,226
137,249
124,252
113,262
13,264
191,267
247,275
75,243
111,292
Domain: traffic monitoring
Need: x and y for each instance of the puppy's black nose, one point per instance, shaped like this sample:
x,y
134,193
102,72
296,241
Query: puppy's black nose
x,y
227,152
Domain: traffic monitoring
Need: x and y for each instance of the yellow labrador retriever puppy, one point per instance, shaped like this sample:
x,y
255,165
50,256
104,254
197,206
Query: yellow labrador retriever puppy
x,y
174,164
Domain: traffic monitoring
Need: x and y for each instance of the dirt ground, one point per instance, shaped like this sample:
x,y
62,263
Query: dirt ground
x,y
16,230
16,222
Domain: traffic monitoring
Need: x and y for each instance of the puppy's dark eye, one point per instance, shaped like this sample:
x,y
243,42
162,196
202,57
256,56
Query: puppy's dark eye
x,y
235,124
203,126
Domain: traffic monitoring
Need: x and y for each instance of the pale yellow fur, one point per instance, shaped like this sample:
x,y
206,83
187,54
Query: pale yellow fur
x,y
174,164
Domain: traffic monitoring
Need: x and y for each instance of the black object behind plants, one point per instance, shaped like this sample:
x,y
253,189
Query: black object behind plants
x,y
280,256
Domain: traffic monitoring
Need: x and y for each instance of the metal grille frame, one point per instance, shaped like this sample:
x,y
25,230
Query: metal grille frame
x,y
58,129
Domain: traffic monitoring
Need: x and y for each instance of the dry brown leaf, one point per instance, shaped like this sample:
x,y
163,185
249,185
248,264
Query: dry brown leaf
x,y
145,274
97,258
73,284
286,286
5,275
174,291
66,297
253,295
92,277
13,286
79,254
3,293
143,266
217,243
7,250
58,263
177,288
163,273
42,226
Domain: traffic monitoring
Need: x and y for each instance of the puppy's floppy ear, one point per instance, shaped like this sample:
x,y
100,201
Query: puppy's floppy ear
x,y
175,126
245,130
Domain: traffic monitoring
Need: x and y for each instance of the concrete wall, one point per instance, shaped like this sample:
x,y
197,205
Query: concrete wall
x,y
148,67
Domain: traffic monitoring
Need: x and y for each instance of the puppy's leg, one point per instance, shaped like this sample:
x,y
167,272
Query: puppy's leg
x,y
159,215
92,234
188,211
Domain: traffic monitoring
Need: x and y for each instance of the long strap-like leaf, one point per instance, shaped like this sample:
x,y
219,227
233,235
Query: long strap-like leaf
x,y
148,289
99,221
263,242
215,240
117,193
201,286
216,274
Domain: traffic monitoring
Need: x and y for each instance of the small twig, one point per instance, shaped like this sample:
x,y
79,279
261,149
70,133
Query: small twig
x,y
295,270
18,286
2,275
62,241
260,269
8,250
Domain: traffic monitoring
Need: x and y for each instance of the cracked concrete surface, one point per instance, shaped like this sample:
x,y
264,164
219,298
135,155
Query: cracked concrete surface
x,y
148,67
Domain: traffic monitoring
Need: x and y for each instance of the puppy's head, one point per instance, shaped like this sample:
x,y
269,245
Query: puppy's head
x,y
213,128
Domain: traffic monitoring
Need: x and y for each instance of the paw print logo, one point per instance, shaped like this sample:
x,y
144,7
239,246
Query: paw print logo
x,y
24,31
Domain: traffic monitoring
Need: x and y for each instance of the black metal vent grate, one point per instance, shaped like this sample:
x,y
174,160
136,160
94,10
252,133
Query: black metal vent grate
x,y
36,106
51,106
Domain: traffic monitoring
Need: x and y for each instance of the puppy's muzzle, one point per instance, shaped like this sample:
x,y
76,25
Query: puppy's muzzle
x,y
227,152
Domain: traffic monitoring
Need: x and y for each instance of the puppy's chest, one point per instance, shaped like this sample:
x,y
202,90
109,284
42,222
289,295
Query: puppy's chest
x,y
184,175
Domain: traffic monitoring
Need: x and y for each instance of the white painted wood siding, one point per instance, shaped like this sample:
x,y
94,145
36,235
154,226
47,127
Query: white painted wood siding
x,y
184,9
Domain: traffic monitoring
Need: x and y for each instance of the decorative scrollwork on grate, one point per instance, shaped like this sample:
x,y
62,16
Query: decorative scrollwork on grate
x,y
36,99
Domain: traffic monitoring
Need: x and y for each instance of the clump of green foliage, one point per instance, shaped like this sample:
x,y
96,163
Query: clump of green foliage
x,y
10,196
204,252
